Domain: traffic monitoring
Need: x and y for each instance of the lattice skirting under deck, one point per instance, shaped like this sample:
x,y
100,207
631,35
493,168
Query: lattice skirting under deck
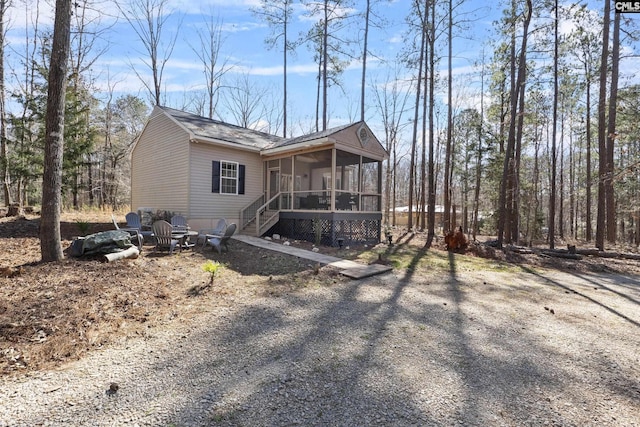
x,y
327,229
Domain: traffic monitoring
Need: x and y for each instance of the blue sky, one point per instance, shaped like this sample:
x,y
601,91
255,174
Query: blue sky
x,y
244,49
244,46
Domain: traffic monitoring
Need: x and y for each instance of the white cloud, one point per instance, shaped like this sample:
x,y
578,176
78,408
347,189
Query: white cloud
x,y
276,70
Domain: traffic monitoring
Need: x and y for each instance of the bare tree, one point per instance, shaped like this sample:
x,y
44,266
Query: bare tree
x,y
586,42
369,16
509,171
88,32
148,19
4,166
422,28
611,131
391,101
244,101
277,13
208,53
50,246
24,160
554,151
330,44
601,220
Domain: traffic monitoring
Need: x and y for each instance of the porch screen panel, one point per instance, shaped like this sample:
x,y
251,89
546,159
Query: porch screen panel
x,y
370,176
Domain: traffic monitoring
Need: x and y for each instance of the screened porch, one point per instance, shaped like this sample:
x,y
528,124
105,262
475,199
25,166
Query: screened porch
x,y
330,180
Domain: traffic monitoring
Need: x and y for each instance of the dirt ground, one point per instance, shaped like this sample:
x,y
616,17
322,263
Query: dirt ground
x,y
51,313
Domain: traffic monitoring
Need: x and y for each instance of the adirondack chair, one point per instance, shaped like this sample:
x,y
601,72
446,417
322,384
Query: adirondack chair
x,y
207,233
133,223
178,222
162,233
133,220
133,231
218,242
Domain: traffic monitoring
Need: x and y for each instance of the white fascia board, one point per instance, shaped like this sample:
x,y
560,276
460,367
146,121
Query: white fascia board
x,y
295,147
223,143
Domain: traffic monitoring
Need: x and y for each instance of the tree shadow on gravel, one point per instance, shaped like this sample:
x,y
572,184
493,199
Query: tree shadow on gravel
x,y
597,285
283,369
337,355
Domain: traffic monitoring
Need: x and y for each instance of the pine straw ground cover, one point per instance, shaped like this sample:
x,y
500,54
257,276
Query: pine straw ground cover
x,y
51,313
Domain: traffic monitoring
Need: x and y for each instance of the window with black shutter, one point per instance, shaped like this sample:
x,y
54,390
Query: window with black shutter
x,y
227,177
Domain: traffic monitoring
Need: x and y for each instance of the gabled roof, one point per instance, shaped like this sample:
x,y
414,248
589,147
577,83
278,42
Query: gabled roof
x,y
312,136
205,129
209,129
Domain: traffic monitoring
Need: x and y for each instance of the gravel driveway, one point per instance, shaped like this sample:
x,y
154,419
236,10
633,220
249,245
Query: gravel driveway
x,y
465,348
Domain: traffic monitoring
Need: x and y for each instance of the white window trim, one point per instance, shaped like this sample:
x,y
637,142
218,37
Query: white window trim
x,y
237,177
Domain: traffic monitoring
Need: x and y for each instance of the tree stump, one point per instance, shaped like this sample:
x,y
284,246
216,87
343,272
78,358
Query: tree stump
x,y
15,210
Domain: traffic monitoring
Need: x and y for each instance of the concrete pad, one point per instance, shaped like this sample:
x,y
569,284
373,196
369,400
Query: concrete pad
x,y
365,271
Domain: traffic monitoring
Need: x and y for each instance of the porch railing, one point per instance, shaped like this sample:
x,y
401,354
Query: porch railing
x,y
248,213
266,218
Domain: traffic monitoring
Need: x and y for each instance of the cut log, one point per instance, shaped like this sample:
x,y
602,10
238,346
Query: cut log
x,y
561,254
132,252
635,257
588,251
520,250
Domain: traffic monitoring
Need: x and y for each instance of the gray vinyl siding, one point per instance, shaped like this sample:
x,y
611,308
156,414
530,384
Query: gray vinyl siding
x,y
159,167
207,206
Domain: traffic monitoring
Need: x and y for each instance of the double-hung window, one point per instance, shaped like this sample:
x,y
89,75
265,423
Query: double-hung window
x,y
228,177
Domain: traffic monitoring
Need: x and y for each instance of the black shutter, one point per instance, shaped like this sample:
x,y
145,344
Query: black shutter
x,y
240,179
215,179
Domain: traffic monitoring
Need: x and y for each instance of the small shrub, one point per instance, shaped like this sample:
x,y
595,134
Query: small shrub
x,y
212,267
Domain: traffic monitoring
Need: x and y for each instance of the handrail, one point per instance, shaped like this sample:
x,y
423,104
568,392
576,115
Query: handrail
x,y
263,208
252,210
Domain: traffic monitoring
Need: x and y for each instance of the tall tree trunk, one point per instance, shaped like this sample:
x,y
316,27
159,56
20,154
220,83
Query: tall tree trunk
x,y
515,172
4,152
364,59
431,219
561,191
325,60
554,154
50,246
476,195
284,74
611,132
588,220
448,166
318,86
414,140
509,159
602,131
572,186
423,162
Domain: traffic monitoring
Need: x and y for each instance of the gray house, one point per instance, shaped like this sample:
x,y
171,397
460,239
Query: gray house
x,y
325,185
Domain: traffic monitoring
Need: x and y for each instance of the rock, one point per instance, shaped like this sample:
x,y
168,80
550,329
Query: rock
x,y
113,389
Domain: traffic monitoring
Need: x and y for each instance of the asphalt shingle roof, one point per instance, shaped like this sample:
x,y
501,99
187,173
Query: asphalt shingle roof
x,y
212,129
203,127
